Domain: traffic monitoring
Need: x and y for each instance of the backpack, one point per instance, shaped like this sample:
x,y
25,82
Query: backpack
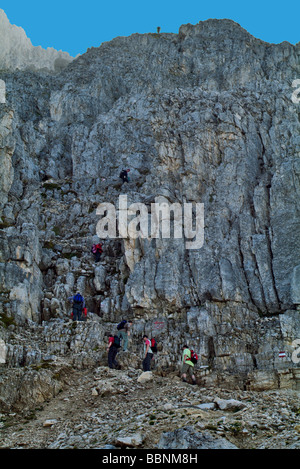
x,y
121,324
94,248
194,357
117,341
153,345
78,298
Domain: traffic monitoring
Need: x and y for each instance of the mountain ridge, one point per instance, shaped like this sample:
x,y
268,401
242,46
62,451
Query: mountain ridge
x,y
18,53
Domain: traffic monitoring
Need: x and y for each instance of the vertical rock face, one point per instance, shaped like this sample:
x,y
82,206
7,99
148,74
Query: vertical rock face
x,y
202,116
18,53
6,152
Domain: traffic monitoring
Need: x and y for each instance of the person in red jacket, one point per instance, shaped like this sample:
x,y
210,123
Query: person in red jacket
x,y
113,349
97,251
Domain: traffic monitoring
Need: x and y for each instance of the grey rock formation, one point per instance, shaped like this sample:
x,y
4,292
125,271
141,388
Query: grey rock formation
x,y
18,53
202,116
189,438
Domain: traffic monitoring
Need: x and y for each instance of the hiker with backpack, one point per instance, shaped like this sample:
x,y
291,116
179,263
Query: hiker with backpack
x,y
153,345
189,359
113,348
148,354
97,251
78,305
124,332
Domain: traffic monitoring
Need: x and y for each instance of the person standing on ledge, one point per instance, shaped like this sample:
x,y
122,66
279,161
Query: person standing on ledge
x,y
187,365
112,349
124,332
148,354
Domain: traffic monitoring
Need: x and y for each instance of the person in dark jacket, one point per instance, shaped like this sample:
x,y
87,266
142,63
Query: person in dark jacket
x,y
124,175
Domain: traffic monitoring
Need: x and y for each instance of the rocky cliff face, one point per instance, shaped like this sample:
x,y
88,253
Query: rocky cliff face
x,y
205,116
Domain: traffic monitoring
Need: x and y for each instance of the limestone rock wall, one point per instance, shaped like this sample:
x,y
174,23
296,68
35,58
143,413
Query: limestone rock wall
x,y
204,115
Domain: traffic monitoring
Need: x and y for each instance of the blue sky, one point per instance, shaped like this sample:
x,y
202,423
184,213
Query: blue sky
x,y
76,26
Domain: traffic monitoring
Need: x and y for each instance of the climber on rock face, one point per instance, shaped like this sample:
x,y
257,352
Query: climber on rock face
x,y
124,331
78,305
97,251
124,175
